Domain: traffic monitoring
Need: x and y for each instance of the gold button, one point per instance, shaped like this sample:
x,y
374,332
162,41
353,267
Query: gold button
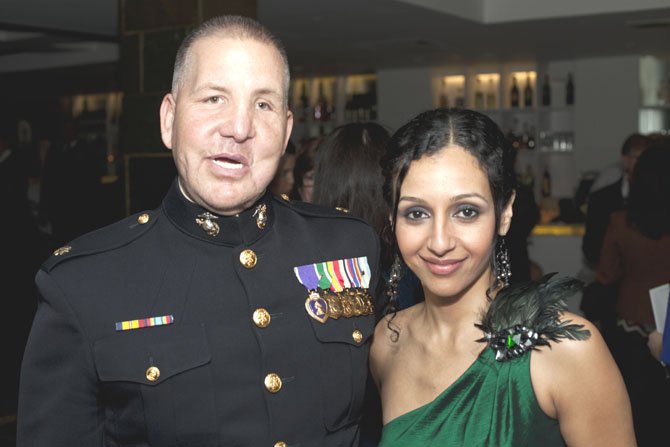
x,y
357,336
285,197
143,218
339,208
273,383
261,317
280,444
152,374
61,251
248,258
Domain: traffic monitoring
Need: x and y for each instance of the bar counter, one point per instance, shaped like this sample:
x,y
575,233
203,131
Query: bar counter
x,y
558,248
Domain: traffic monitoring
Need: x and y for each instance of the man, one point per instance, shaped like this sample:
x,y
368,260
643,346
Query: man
x,y
226,317
602,201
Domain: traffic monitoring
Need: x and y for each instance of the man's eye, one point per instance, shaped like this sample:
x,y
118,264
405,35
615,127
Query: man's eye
x,y
215,100
264,106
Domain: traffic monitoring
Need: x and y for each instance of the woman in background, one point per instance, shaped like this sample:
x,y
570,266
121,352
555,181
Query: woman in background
x,y
282,183
348,176
303,172
635,257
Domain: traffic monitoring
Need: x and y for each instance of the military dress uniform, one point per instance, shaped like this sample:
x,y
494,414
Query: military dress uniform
x,y
177,327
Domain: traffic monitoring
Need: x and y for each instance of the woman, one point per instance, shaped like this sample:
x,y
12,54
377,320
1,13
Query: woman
x,y
635,258
282,182
477,363
348,172
303,172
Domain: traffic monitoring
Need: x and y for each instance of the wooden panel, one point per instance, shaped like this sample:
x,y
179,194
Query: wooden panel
x,y
160,49
143,15
213,8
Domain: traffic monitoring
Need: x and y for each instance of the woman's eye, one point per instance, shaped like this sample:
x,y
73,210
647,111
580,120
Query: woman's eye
x,y
415,214
467,212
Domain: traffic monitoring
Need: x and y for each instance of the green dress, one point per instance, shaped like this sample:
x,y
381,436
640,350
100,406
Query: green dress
x,y
493,402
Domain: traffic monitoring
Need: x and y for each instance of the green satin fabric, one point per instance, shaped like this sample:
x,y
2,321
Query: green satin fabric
x,y
491,404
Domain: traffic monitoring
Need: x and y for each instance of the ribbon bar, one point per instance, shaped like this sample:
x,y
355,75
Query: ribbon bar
x,y
144,322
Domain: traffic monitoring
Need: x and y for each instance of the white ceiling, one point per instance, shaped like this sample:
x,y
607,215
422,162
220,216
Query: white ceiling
x,y
344,36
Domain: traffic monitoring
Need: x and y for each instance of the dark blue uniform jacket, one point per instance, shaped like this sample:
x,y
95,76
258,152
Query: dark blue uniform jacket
x,y
210,372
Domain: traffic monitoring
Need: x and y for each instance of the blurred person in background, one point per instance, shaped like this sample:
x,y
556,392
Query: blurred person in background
x,y
282,183
349,176
597,301
635,257
303,173
19,239
608,194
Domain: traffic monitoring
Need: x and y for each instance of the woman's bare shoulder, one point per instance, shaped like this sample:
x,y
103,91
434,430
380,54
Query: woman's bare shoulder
x,y
566,370
386,341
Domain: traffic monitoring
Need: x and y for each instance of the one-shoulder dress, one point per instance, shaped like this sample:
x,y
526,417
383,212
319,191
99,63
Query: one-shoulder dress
x,y
493,402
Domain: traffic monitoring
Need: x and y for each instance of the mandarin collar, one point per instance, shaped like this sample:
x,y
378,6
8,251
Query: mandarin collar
x,y
243,228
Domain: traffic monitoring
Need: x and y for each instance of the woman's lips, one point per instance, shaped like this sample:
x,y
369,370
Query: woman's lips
x,y
442,267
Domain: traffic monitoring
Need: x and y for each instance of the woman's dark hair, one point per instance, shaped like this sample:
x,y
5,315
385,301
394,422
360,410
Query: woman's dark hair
x,y
303,164
349,174
430,132
649,199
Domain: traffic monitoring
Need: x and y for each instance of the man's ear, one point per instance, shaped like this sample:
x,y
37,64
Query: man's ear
x,y
289,128
506,217
167,112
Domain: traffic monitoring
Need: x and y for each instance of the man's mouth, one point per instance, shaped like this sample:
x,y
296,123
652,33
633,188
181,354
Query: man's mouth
x,y
228,163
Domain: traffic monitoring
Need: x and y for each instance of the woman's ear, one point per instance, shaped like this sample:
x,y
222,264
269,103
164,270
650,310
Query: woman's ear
x,y
506,217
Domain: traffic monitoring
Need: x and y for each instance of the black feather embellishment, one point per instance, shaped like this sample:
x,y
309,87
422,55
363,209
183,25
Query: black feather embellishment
x,y
527,315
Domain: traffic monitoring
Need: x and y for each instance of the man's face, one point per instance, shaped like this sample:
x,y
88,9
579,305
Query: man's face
x,y
226,123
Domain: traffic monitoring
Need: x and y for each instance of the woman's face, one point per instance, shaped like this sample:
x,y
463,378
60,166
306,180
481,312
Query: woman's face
x,y
445,224
283,180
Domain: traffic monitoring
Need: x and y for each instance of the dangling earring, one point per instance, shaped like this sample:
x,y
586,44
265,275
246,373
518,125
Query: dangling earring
x,y
392,283
503,267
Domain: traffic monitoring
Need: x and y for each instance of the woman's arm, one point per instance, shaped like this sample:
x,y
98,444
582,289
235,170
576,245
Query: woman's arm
x,y
579,383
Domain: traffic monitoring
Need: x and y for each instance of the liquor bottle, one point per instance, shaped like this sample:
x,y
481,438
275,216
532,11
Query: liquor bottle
x,y
546,183
514,93
460,98
349,108
528,94
443,100
479,95
514,139
491,95
304,103
570,91
321,106
528,178
525,137
546,91
372,99
531,138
